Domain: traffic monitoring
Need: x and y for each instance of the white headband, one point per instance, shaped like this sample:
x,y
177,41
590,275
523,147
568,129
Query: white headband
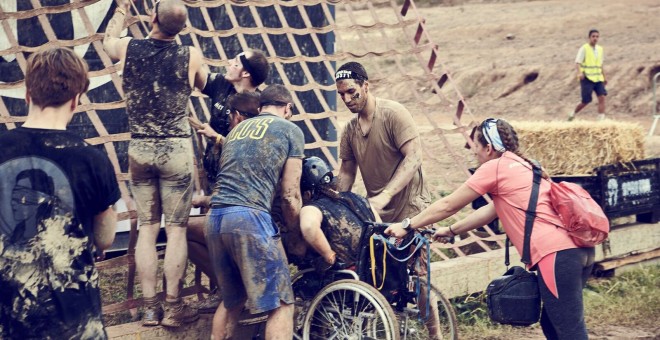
x,y
489,130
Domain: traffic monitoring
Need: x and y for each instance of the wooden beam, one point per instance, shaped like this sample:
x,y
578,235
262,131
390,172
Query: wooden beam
x,y
632,259
629,239
472,273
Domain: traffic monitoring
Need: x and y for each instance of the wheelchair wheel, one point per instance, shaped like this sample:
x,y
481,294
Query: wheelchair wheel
x,y
413,328
447,316
350,309
306,284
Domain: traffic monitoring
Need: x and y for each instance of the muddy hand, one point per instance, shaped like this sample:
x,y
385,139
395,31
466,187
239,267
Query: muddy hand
x,y
395,230
195,123
379,202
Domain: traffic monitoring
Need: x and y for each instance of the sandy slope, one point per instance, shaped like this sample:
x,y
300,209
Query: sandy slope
x,y
515,60
543,40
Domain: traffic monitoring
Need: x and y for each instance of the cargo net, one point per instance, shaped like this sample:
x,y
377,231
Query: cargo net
x,y
305,41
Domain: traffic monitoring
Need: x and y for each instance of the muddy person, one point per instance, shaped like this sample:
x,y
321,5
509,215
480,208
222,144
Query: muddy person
x,y
241,106
158,79
589,65
506,174
331,222
244,244
244,73
383,142
55,210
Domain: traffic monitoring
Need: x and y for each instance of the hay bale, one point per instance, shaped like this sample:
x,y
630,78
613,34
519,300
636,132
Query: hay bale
x,y
575,148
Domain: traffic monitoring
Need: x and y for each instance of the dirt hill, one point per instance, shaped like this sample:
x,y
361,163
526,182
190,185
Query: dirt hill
x,y
516,59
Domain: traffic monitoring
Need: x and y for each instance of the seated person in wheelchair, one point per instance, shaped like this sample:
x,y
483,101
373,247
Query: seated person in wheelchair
x,y
330,218
331,222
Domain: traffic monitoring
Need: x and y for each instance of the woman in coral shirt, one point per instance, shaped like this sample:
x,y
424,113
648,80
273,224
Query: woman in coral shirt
x,y
506,175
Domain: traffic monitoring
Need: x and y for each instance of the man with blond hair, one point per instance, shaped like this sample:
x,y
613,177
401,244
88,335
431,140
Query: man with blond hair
x,y
158,79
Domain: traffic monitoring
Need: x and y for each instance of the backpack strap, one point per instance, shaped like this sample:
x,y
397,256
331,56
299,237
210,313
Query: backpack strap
x,y
530,215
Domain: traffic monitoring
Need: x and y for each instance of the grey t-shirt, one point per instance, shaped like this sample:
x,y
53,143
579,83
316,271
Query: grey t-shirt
x,y
252,161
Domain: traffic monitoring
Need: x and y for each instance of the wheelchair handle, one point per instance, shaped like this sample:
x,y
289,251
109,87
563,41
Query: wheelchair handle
x,y
379,228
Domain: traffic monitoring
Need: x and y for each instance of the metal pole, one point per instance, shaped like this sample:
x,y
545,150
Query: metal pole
x,y
655,106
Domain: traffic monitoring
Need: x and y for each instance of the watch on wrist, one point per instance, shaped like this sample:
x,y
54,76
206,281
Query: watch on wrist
x,y
405,224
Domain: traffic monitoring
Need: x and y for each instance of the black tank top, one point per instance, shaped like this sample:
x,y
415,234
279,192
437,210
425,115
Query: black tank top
x,y
157,88
342,222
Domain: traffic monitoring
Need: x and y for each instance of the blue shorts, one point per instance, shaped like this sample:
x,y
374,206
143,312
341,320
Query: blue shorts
x,y
587,87
248,258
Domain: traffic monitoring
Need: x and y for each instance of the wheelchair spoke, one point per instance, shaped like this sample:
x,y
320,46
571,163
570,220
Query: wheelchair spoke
x,y
349,309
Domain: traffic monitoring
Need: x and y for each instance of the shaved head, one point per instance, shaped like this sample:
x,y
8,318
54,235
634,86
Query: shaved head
x,y
172,16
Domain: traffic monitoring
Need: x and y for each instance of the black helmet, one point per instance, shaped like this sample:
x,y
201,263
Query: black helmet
x,y
315,172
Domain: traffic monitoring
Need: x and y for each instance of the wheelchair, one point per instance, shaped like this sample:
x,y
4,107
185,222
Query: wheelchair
x,y
347,304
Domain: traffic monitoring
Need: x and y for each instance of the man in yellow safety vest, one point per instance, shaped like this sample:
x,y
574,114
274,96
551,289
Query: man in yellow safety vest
x,y
589,65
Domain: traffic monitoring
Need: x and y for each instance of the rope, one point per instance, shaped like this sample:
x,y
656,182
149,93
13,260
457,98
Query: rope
x,y
373,262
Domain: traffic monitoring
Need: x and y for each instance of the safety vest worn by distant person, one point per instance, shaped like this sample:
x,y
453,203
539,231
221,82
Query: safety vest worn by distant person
x,y
592,66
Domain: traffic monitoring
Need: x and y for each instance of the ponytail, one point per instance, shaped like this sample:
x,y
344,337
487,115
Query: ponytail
x,y
510,141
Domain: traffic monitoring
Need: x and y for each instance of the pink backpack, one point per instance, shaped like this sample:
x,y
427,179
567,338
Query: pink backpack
x,y
584,219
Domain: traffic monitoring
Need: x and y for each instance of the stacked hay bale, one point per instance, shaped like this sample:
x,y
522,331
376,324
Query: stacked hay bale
x,y
575,148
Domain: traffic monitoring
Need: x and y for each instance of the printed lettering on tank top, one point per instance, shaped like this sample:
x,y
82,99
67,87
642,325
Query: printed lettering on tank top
x,y
221,108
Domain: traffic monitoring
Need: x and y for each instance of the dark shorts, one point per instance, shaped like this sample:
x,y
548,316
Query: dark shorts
x,y
588,87
248,258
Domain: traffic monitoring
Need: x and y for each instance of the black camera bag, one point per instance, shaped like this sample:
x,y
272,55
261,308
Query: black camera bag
x,y
514,297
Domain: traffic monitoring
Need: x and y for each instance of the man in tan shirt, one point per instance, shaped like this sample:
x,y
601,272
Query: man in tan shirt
x,y
383,142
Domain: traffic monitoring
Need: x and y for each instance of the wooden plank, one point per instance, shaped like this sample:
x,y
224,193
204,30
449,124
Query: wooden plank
x,y
134,303
200,329
629,239
472,273
632,259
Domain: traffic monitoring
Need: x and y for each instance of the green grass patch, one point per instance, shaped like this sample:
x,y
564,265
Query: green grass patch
x,y
630,299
